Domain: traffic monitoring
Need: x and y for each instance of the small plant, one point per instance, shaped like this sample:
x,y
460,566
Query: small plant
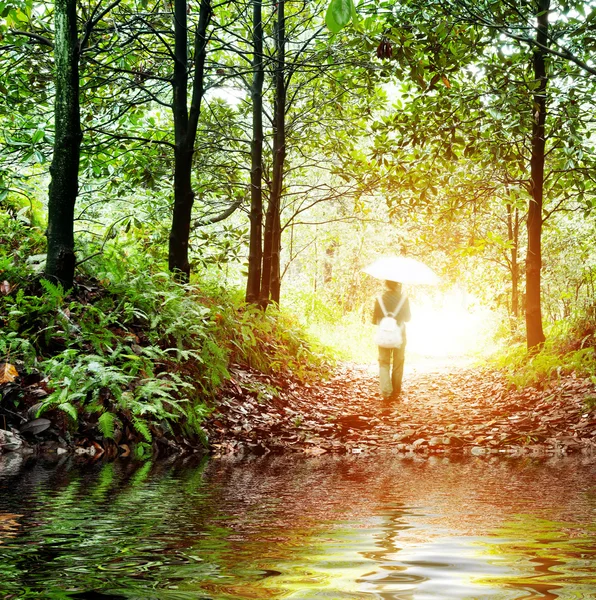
x,y
106,424
556,358
590,402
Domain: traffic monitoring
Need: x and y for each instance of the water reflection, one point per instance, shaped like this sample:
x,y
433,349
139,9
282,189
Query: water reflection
x,y
286,527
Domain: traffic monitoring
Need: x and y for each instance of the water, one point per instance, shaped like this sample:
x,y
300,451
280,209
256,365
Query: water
x,y
288,527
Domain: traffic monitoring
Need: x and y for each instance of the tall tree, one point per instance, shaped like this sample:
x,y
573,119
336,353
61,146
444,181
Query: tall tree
x,y
185,129
255,257
534,331
270,282
68,46
64,170
513,260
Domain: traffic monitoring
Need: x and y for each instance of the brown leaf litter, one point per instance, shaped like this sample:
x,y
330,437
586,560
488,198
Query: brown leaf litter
x,y
463,410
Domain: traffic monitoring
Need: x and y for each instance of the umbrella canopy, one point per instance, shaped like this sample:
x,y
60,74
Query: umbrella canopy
x,y
402,269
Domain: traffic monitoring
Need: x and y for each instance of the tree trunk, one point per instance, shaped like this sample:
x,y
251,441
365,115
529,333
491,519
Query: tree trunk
x,y
265,291
64,169
276,261
515,264
185,130
534,332
271,284
255,256
328,264
513,234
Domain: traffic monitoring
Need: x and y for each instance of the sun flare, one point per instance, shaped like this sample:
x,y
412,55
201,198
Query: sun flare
x,y
450,329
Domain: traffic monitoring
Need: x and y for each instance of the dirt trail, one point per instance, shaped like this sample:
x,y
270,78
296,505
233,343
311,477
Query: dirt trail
x,y
445,407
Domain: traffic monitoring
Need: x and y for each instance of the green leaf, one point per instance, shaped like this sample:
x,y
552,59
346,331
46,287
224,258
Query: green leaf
x,y
339,14
355,17
106,424
37,136
142,428
69,409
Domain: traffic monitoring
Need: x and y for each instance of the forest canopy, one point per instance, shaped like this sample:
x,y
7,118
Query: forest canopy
x,y
285,145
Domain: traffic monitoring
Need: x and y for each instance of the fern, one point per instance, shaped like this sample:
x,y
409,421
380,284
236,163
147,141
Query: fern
x,y
141,427
147,349
106,423
203,438
69,409
54,290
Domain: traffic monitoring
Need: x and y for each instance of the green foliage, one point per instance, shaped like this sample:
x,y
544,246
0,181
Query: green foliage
x,y
558,356
272,342
106,424
350,337
141,350
21,248
435,124
590,402
339,14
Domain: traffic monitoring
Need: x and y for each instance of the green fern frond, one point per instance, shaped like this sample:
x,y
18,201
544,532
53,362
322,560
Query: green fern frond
x,y
55,291
106,424
69,409
202,435
141,427
48,404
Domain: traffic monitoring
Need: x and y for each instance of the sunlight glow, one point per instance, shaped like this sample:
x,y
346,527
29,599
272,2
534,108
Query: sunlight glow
x,y
451,329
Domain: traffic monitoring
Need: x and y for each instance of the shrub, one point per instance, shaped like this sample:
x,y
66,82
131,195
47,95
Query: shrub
x,y
131,346
561,354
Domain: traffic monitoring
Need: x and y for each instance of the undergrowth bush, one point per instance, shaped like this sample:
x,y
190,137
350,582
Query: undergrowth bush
x,y
562,353
347,334
351,337
272,342
129,346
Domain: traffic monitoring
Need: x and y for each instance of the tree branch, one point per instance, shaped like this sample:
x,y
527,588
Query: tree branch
x,y
34,36
217,218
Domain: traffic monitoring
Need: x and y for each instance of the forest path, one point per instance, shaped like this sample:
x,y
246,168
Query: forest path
x,y
447,406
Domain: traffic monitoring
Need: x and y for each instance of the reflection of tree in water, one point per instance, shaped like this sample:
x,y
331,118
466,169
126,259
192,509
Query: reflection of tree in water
x,y
328,527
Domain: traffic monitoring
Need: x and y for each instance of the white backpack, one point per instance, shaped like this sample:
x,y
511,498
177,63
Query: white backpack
x,y
389,333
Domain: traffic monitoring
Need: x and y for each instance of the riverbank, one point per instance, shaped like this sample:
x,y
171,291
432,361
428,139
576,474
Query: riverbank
x,y
445,410
129,361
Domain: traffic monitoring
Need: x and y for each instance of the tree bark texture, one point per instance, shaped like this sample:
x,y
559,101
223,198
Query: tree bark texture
x,y
255,256
64,169
513,234
534,331
185,130
271,278
276,260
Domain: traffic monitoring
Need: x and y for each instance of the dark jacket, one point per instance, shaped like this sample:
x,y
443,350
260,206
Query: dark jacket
x,y
391,299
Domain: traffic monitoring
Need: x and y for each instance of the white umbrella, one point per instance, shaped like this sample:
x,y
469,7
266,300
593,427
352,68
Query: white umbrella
x,y
403,269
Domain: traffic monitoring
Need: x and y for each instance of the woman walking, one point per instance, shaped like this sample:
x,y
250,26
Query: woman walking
x,y
392,303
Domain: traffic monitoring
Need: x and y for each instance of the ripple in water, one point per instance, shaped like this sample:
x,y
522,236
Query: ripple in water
x,y
289,527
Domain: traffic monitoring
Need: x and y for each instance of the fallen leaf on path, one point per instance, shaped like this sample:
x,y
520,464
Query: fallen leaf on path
x,y
8,373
